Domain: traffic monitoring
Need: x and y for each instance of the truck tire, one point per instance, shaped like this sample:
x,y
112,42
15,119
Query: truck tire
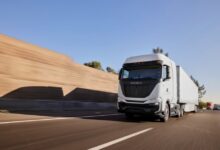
x,y
178,115
166,114
181,110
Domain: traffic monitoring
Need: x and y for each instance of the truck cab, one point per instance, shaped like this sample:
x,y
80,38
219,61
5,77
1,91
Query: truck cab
x,y
147,86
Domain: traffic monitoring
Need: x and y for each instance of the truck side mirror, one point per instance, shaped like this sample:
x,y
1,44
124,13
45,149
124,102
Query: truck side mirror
x,y
168,73
165,73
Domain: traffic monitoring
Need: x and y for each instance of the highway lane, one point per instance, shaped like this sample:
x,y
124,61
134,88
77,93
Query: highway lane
x,y
193,131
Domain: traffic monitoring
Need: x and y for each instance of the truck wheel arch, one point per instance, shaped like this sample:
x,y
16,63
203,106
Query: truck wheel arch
x,y
168,103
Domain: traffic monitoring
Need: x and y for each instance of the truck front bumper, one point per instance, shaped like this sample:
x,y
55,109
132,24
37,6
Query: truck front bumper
x,y
152,108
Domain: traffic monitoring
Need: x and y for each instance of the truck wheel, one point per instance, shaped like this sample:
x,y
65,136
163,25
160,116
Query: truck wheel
x,y
181,111
166,114
178,113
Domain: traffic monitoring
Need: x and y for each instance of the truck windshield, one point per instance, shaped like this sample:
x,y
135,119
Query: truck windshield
x,y
147,72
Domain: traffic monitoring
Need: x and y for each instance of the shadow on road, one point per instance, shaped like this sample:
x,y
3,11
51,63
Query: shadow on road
x,y
56,93
35,92
123,118
51,101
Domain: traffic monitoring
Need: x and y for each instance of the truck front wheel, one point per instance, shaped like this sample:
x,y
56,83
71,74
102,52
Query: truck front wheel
x,y
181,110
166,114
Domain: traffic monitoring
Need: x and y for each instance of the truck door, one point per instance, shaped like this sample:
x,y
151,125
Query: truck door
x,y
167,86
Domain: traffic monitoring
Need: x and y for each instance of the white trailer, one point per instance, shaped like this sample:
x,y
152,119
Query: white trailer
x,y
154,85
187,91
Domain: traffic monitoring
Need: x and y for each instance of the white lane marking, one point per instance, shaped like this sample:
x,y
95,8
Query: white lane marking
x,y
119,140
32,120
59,118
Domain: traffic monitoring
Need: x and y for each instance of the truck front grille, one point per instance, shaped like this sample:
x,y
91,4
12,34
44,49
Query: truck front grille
x,y
138,91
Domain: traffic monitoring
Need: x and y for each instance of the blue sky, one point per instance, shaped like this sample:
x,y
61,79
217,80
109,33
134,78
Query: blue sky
x,y
111,30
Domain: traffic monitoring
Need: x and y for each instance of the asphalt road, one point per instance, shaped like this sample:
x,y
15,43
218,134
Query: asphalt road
x,y
109,130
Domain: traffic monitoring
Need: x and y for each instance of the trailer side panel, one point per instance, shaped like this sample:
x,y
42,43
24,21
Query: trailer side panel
x,y
187,90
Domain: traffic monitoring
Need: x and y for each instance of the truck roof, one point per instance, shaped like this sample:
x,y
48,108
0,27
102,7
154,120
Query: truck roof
x,y
145,58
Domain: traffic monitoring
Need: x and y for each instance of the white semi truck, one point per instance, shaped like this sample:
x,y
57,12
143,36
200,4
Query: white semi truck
x,y
154,85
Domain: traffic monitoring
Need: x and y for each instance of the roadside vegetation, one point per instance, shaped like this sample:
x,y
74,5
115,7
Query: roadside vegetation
x,y
202,105
98,65
94,64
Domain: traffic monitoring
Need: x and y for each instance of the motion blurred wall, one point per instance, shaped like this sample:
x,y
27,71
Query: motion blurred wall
x,y
31,72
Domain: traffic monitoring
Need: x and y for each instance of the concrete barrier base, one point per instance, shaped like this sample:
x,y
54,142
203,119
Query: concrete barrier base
x,y
55,105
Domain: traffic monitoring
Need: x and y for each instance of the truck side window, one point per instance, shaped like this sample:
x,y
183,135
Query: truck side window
x,y
165,72
125,74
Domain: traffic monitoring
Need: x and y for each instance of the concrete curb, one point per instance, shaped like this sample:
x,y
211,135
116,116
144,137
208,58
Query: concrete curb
x,y
48,105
